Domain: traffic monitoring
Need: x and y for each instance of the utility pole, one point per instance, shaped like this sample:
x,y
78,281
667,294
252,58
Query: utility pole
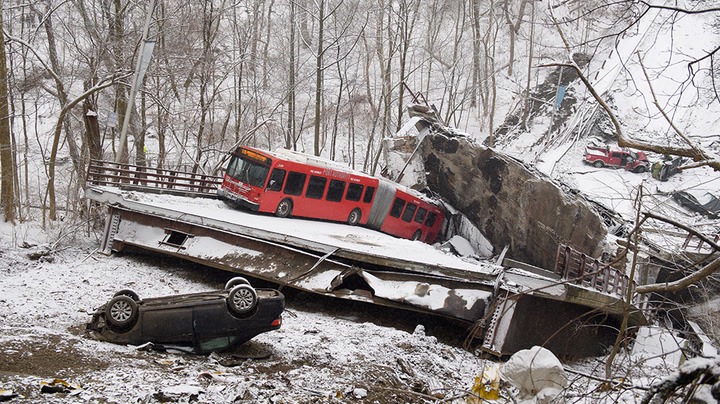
x,y
143,60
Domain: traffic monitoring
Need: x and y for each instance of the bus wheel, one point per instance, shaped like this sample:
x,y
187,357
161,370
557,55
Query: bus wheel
x,y
416,235
354,217
284,208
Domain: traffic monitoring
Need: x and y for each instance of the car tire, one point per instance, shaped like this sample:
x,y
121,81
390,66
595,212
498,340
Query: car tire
x,y
129,293
598,164
242,299
640,169
121,312
238,280
354,217
416,235
284,208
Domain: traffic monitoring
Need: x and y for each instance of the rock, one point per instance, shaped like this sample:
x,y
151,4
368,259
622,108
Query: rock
x,y
510,203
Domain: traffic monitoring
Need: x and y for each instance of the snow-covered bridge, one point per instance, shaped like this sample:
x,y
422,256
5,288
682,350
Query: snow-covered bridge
x,y
508,305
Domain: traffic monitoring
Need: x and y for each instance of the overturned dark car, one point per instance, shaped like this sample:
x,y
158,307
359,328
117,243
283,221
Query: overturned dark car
x,y
199,322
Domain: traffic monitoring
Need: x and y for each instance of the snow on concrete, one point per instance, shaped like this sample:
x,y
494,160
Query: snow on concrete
x,y
658,347
355,238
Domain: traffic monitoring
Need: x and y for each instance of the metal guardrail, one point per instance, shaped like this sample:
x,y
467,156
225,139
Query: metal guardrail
x,y
150,179
693,242
581,269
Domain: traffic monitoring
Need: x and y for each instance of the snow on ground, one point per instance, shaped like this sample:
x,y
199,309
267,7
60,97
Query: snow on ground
x,y
315,355
327,350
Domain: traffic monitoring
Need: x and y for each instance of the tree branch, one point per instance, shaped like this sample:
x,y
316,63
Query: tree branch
x,y
699,155
622,140
689,229
682,283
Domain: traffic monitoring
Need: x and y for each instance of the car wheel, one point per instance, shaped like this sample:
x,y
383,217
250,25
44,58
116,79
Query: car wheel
x,y
640,169
242,299
121,312
284,208
598,163
416,235
238,280
129,293
354,217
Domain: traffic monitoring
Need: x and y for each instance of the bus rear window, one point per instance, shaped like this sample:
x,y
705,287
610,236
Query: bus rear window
x,y
354,192
369,192
421,213
397,207
295,183
431,219
335,191
316,187
409,212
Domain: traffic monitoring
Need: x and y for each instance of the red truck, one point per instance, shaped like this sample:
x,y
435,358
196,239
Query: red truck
x,y
601,156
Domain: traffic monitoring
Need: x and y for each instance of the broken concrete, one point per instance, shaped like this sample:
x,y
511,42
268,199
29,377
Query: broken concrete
x,y
510,204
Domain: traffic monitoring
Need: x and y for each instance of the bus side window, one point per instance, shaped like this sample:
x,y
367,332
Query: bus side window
x,y
257,175
397,207
316,187
369,192
276,180
354,192
431,219
295,183
335,191
421,213
409,212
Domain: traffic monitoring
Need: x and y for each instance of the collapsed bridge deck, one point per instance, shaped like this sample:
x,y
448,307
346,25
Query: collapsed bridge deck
x,y
513,305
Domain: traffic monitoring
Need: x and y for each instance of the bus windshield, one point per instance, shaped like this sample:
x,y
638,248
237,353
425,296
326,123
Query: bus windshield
x,y
247,171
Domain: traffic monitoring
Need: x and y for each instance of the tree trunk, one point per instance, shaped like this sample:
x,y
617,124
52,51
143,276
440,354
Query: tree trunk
x,y
62,98
117,36
385,61
92,130
406,25
531,46
513,28
7,194
319,77
475,54
304,30
290,137
140,158
266,51
338,103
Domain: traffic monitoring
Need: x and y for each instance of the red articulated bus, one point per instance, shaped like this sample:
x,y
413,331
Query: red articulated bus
x,y
288,183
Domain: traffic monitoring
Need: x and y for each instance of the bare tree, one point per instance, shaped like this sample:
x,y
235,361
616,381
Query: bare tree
x,y
319,75
408,14
292,76
7,190
513,28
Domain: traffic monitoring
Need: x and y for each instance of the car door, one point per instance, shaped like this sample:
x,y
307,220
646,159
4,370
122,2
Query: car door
x,y
169,324
214,327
